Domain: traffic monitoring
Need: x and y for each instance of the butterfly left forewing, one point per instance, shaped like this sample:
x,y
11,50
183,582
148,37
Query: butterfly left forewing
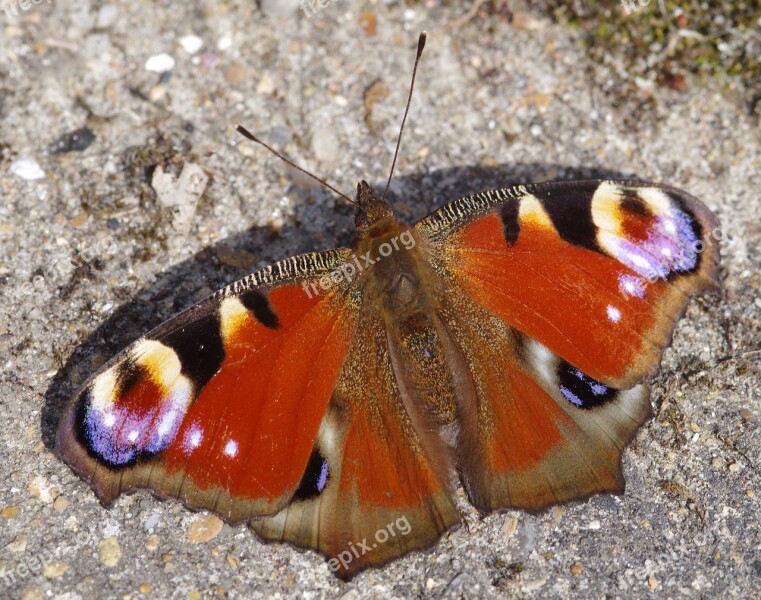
x,y
219,406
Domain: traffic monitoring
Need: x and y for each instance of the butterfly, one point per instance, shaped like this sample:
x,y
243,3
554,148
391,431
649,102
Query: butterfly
x,y
334,400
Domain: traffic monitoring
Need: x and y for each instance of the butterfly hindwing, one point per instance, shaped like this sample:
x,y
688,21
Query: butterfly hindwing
x,y
219,406
534,431
381,485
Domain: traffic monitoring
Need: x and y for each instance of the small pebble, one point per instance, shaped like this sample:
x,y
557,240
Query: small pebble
x,y
60,504
191,43
368,21
43,489
526,21
160,63
110,551
652,582
153,519
246,149
225,42
10,512
157,93
19,543
266,85
204,530
80,220
510,526
73,141
576,569
152,542
325,144
27,168
54,570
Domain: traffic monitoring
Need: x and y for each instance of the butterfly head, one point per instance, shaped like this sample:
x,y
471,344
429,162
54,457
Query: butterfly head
x,y
372,213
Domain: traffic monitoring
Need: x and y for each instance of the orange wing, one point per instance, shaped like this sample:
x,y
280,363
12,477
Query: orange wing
x,y
524,442
558,301
389,490
221,405
275,396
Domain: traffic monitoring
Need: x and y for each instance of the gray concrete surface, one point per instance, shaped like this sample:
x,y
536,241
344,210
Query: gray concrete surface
x,y
91,256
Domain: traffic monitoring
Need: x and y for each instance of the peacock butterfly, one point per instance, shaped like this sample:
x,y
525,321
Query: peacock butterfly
x,y
333,399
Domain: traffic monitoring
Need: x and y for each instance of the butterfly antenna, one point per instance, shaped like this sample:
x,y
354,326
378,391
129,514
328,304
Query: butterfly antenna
x,y
420,46
246,133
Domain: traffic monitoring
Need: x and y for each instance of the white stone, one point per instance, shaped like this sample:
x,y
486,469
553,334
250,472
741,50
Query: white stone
x,y
191,43
225,42
160,63
325,144
27,168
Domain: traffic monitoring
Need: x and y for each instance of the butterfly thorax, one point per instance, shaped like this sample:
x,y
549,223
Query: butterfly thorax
x,y
398,280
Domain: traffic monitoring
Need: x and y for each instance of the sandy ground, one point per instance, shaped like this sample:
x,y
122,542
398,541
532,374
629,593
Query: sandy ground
x,y
94,250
